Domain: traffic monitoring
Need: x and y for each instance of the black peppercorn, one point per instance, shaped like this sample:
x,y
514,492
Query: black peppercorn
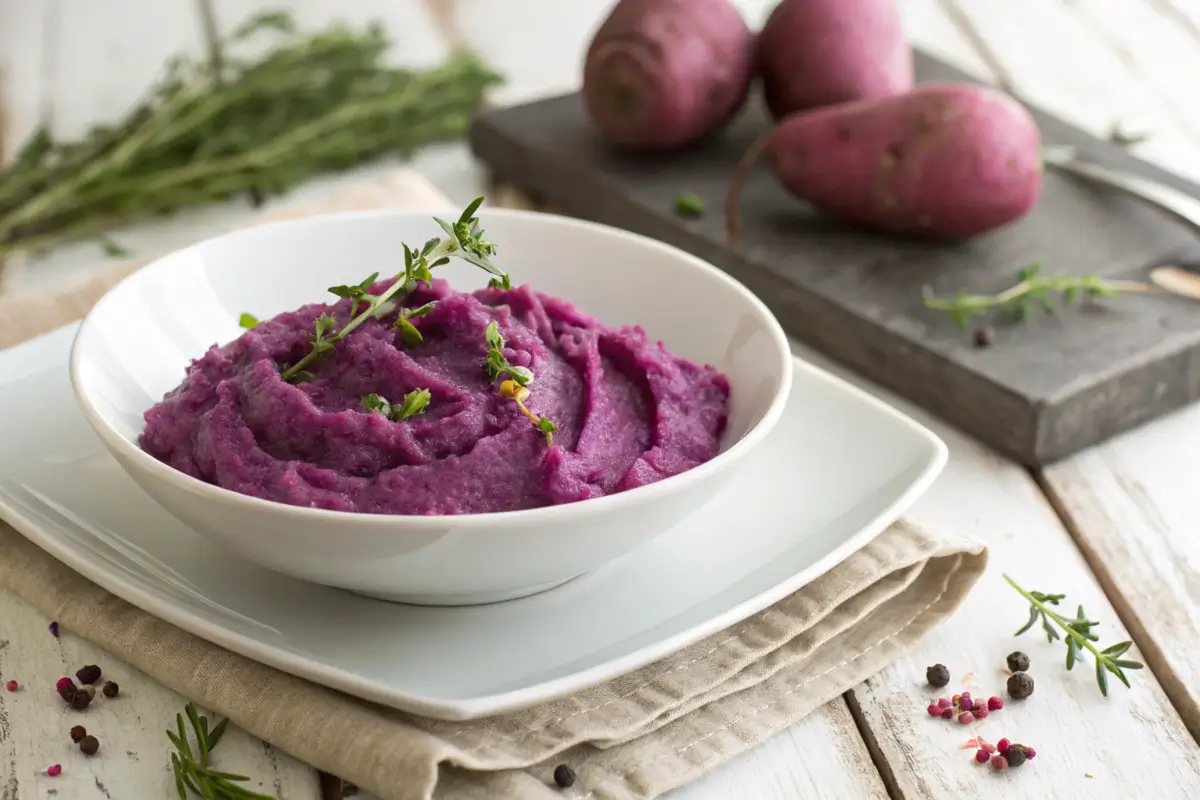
x,y
1020,685
937,675
1018,662
564,776
89,745
984,337
80,701
1016,755
88,674
68,692
111,688
77,733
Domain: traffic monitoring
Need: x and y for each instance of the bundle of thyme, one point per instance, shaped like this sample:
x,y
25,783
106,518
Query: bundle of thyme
x,y
208,132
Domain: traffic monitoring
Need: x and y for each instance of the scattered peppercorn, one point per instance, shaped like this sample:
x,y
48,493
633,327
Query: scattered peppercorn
x,y
995,704
965,718
89,674
12,686
54,770
111,689
64,684
985,336
87,689
980,713
89,745
934,710
564,776
1015,756
1003,745
1020,685
944,702
964,700
1018,661
54,629
80,700
77,733
1030,753
937,675
982,756
999,762
947,713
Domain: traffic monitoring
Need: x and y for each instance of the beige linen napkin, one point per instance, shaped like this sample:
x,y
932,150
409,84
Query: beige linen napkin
x,y
635,737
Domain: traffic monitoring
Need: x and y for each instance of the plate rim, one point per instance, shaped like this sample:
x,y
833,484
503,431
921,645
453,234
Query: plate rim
x,y
467,709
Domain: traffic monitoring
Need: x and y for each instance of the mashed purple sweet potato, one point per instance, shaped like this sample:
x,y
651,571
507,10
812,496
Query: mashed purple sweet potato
x,y
628,412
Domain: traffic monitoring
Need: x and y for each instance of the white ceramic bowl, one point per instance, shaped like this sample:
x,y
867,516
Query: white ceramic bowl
x,y
136,343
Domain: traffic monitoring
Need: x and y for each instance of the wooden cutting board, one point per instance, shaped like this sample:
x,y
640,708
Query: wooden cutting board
x,y
1040,392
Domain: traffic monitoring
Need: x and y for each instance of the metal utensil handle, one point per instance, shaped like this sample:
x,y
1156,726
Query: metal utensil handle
x,y
1183,206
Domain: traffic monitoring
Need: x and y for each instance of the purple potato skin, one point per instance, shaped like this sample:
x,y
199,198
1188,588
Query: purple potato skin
x,y
660,74
946,161
814,53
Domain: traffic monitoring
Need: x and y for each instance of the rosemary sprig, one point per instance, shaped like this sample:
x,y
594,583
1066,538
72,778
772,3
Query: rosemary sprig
x,y
463,240
1079,635
1032,289
313,103
516,386
192,766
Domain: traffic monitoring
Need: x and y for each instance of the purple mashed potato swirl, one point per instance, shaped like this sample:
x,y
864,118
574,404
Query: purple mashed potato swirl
x,y
629,412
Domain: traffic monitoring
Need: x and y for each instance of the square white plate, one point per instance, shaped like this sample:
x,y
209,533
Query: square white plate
x,y
838,469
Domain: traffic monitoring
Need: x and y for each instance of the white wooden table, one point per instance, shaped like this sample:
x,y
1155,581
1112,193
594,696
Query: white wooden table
x,y
1113,527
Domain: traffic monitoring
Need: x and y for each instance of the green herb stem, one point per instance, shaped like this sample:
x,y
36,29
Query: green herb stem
x,y
191,766
1031,288
1079,635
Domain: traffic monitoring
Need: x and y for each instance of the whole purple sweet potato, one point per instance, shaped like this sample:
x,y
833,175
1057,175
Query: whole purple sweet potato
x,y
662,73
946,161
814,53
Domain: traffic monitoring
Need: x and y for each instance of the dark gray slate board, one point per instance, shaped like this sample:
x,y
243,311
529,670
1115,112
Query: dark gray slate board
x,y
1043,391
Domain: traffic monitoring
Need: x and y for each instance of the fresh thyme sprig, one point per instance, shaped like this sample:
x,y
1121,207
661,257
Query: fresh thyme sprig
x,y
463,240
414,403
259,124
515,387
1079,635
191,767
1032,288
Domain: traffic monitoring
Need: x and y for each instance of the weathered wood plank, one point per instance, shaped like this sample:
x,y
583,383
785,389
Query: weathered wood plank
x,y
134,756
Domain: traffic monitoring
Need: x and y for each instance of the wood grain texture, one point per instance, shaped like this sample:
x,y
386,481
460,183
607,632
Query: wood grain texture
x,y
134,757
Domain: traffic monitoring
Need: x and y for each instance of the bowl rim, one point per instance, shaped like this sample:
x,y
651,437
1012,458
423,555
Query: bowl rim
x,y
146,463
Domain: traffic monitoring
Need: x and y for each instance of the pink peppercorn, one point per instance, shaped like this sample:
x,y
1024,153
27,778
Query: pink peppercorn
x,y
934,711
63,684
947,713
54,770
980,713
982,756
12,686
943,702
1003,746
995,704
999,762
964,700
1030,753
991,748
965,718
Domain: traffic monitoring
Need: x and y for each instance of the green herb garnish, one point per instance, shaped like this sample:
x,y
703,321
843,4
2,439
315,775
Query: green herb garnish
x,y
689,204
496,363
463,240
112,248
1032,288
248,321
1079,635
514,388
280,107
415,402
191,766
